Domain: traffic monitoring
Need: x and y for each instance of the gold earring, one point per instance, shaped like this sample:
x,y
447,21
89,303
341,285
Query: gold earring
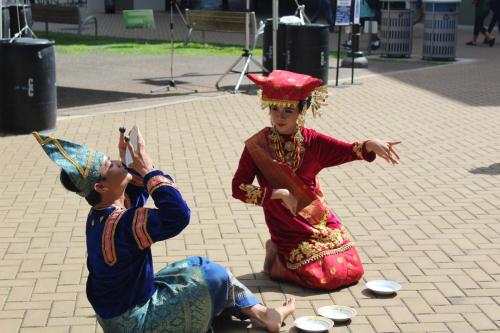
x,y
301,120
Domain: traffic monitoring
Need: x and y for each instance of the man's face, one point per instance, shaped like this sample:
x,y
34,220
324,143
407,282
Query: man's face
x,y
115,177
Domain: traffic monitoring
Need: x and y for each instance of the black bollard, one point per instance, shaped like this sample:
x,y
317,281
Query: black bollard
x,y
355,58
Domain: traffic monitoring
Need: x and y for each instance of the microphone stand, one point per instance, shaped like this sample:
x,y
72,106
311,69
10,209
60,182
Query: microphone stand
x,y
171,83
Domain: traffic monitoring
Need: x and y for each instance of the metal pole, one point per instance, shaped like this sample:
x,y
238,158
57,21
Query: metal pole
x,y
247,26
433,26
1,19
275,32
370,33
338,57
353,39
172,41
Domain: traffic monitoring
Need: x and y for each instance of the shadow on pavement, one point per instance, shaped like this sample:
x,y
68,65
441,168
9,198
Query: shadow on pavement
x,y
261,282
368,293
68,97
470,90
492,170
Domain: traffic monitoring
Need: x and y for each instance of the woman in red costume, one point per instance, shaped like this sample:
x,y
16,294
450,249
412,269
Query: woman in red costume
x,y
308,245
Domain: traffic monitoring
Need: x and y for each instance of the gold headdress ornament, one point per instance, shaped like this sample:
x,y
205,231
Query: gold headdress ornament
x,y
284,88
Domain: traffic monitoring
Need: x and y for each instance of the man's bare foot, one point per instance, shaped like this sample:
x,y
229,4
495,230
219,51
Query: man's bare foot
x,y
273,318
271,253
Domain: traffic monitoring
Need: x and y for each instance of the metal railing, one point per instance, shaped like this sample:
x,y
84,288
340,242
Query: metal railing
x,y
69,3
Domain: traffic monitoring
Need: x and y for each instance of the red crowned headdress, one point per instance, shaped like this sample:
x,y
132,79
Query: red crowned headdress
x,y
284,88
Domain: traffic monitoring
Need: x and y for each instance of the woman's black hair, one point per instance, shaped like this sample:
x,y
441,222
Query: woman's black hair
x,y
93,198
307,102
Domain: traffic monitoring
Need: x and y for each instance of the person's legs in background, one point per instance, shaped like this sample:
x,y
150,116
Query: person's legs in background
x,y
225,5
378,18
317,14
369,12
325,7
330,14
479,28
420,12
495,8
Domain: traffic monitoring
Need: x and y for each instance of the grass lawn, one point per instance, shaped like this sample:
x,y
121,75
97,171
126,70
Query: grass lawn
x,y
72,44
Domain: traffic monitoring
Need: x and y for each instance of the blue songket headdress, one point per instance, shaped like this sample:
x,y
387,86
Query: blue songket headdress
x,y
84,166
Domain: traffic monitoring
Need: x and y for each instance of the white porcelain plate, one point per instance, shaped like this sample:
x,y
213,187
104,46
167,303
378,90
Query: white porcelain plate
x,y
383,287
313,323
337,312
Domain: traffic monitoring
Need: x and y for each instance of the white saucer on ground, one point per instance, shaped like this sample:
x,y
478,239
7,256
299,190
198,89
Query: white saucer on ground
x,y
313,323
337,312
383,287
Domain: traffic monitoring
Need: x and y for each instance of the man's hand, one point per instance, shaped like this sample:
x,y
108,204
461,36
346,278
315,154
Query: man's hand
x,y
141,162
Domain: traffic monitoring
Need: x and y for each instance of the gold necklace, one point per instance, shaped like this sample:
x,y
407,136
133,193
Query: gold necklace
x,y
294,150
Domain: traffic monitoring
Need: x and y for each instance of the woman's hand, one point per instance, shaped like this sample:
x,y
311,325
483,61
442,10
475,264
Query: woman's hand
x,y
384,149
288,200
122,145
141,162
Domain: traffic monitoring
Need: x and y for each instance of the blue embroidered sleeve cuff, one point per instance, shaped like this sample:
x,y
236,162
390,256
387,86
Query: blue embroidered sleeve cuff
x,y
156,179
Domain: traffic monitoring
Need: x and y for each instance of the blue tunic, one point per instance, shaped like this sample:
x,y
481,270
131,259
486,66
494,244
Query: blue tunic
x,y
366,10
121,287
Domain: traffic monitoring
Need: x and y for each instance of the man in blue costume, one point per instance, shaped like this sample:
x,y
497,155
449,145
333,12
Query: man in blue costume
x,y
123,290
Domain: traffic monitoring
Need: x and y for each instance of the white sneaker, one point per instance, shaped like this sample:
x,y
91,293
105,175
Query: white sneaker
x,y
347,44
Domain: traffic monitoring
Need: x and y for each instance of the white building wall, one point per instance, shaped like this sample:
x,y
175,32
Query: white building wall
x,y
150,4
95,6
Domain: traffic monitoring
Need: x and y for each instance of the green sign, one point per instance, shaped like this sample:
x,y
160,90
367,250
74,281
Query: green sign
x,y
139,19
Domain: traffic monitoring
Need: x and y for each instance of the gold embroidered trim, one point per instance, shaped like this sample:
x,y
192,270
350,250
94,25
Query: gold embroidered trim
x,y
341,249
40,140
108,236
163,184
85,172
254,194
322,239
322,222
89,164
318,99
358,149
158,181
140,228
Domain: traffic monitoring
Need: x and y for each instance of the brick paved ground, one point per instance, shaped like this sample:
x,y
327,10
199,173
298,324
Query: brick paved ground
x,y
432,223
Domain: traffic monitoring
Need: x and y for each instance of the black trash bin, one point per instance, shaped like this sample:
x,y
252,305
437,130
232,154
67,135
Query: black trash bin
x,y
20,16
2,75
267,47
5,22
109,6
308,50
28,100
